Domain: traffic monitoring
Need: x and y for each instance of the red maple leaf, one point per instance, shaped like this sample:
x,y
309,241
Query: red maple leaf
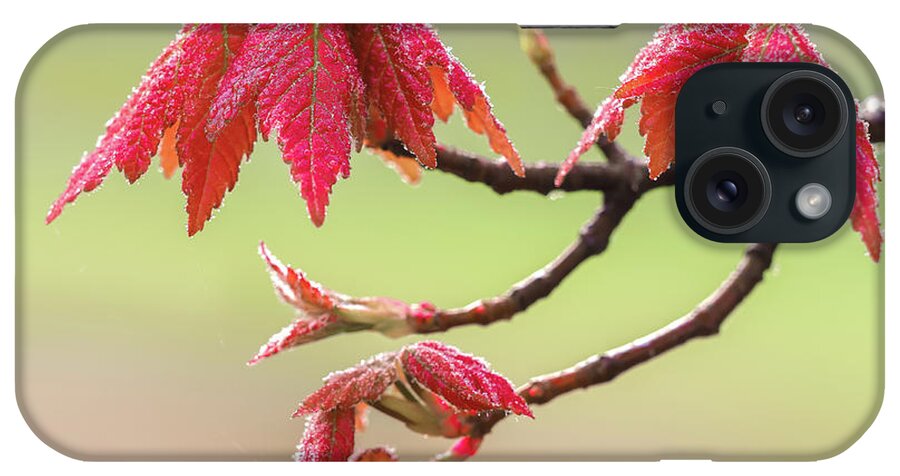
x,y
607,121
411,77
322,312
678,51
464,381
659,70
780,43
211,164
313,303
453,385
393,65
864,215
362,383
173,101
329,436
132,136
657,124
202,100
307,87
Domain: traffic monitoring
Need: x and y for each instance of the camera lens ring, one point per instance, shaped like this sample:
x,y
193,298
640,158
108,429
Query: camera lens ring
x,y
839,126
693,189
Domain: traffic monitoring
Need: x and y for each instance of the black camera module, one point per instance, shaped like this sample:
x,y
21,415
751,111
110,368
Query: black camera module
x,y
727,190
804,113
779,166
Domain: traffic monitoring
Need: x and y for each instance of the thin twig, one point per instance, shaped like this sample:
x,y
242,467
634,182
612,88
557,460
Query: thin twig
x,y
496,174
592,240
540,53
631,182
704,320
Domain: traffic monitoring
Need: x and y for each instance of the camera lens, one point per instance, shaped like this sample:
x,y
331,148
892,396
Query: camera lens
x,y
804,113
727,190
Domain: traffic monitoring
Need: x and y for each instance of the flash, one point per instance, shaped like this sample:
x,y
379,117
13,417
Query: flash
x,y
813,201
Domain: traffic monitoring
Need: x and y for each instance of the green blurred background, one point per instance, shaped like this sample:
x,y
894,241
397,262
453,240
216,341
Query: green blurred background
x,y
132,338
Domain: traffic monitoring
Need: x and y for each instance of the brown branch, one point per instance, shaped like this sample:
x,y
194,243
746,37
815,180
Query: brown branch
x,y
592,240
623,180
585,176
632,182
704,320
539,176
628,181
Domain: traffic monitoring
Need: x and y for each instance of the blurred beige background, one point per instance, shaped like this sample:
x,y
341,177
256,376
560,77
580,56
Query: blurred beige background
x,y
132,338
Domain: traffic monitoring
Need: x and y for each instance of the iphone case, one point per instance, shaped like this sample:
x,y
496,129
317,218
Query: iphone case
x,y
626,336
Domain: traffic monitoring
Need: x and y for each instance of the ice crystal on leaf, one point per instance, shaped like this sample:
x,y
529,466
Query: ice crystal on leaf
x,y
311,86
329,436
864,215
429,386
463,380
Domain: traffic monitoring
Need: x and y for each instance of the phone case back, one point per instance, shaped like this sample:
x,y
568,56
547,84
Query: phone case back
x,y
133,338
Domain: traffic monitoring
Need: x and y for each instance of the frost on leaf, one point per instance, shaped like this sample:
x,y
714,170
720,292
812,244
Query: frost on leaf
x,y
607,121
678,51
177,89
329,436
314,306
211,164
347,388
464,381
322,312
430,387
864,216
398,83
292,286
411,77
781,43
306,86
662,67
202,101
659,70
301,331
132,135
